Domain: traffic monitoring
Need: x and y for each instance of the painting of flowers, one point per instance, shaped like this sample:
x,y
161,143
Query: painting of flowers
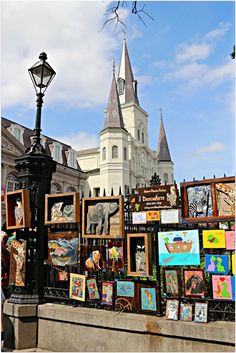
x,y
217,264
221,286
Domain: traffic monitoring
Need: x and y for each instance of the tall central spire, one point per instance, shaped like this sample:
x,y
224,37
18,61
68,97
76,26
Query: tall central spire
x,y
126,78
163,153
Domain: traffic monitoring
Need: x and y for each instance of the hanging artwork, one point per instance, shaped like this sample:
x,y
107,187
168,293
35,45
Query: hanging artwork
x,y
199,201
201,312
115,256
125,288
213,238
217,263
172,309
186,312
107,294
230,240
77,287
194,285
63,276
225,198
139,217
63,248
172,281
126,296
18,263
139,254
233,287
92,289
148,297
233,264
92,262
221,287
179,248
18,209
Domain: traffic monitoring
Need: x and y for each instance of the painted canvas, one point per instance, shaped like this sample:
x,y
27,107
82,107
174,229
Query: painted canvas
x,y
221,287
18,263
230,240
213,238
171,280
92,289
77,286
233,264
148,299
63,248
172,309
225,198
194,285
186,311
107,293
233,287
217,264
201,312
139,217
179,248
199,201
125,289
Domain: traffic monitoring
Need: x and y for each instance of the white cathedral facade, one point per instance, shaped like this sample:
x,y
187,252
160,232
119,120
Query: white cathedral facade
x,y
124,159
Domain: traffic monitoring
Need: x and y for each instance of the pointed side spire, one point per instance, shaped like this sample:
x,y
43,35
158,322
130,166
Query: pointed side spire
x,y
113,116
163,153
126,74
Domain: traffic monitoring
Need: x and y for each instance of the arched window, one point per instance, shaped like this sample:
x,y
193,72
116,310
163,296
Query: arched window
x,y
120,86
70,189
55,188
165,178
125,153
104,153
114,152
12,182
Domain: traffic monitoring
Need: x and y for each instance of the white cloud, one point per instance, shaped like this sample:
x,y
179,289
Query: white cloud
x,y
79,141
211,148
193,52
218,33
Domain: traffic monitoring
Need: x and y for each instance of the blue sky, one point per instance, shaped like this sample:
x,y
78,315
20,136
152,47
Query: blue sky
x,y
181,61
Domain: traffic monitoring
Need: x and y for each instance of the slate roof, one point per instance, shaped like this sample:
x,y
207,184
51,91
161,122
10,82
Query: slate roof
x,y
163,153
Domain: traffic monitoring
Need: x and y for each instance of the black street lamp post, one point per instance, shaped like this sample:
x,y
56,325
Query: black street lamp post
x,y
35,168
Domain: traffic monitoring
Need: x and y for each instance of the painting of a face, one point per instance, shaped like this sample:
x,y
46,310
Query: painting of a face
x,y
194,283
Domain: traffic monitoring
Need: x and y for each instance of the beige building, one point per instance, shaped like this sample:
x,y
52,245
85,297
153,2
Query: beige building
x,y
124,159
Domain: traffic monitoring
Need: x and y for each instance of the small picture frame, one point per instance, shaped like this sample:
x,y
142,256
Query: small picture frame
x,y
107,294
139,254
194,283
216,263
62,208
92,287
186,312
77,287
148,298
126,296
18,209
171,281
222,287
201,312
172,309
62,276
103,217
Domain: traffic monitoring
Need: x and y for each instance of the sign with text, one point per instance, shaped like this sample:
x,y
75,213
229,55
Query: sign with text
x,y
154,198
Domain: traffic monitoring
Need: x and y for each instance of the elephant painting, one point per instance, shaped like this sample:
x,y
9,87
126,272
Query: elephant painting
x,y
99,214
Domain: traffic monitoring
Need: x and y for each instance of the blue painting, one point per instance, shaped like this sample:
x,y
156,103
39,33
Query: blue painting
x,y
148,299
63,248
233,287
217,264
125,289
179,248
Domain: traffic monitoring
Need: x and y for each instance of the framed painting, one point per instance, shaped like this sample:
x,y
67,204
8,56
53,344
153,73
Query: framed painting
x,y
18,209
213,239
148,297
217,263
171,281
225,198
186,312
179,248
93,292
221,287
108,294
233,287
233,264
126,296
77,287
194,284
172,309
18,257
201,312
63,276
63,248
139,254
125,289
103,217
230,240
115,255
62,208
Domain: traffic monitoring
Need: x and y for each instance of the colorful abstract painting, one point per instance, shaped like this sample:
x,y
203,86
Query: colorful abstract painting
x,y
92,289
233,264
225,198
186,311
230,240
213,239
194,284
221,287
217,264
17,262
107,293
125,289
77,287
199,201
63,248
179,248
148,299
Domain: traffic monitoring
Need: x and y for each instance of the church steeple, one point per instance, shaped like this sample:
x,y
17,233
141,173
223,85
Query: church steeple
x,y
113,116
127,86
163,153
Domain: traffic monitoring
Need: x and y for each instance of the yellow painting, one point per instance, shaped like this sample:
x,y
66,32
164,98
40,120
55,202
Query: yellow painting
x,y
153,215
213,238
77,287
233,264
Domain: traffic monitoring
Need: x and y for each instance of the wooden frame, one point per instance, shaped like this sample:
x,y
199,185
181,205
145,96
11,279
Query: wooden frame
x,y
126,296
96,223
194,283
214,185
171,281
172,309
145,268
92,289
18,200
201,312
63,214
148,297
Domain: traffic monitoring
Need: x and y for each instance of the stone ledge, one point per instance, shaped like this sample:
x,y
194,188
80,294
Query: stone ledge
x,y
20,310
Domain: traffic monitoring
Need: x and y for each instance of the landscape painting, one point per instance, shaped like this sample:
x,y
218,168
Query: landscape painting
x,y
63,248
217,264
213,239
230,240
221,287
179,248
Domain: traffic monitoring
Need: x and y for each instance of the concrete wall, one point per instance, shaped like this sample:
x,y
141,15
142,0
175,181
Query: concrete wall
x,y
76,329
